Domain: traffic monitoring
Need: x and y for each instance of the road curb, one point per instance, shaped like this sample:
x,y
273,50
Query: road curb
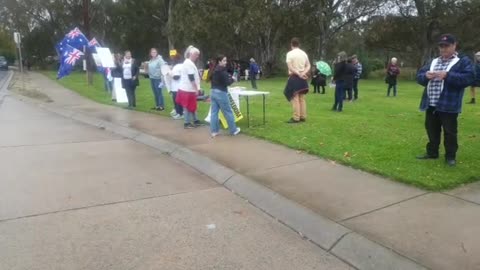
x,y
335,238
6,82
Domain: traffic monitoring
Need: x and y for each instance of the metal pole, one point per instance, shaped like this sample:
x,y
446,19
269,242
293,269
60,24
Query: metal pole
x,y
86,24
264,109
248,112
20,53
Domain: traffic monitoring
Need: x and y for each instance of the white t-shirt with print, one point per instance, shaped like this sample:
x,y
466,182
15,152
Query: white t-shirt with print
x,y
127,70
189,68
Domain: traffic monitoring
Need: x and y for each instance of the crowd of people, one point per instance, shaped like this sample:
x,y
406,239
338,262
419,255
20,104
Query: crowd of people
x,y
444,79
184,81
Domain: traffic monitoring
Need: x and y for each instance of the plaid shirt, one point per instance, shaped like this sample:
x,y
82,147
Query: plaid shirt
x,y
435,86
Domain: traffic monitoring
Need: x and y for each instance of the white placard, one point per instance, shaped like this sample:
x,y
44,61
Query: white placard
x,y
167,77
119,92
97,59
106,57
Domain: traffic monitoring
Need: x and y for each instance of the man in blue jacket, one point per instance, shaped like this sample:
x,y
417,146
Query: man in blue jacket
x,y
252,72
445,80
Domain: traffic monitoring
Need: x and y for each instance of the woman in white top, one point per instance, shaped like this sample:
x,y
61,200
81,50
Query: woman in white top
x,y
176,73
189,87
130,81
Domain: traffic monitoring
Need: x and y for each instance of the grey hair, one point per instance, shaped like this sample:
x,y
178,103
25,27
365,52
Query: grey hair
x,y
191,50
342,56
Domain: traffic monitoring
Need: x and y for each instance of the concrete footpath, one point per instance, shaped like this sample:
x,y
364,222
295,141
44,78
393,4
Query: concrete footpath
x,y
367,221
73,196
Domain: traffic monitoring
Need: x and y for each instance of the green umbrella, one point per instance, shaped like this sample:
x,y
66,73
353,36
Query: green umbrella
x,y
324,68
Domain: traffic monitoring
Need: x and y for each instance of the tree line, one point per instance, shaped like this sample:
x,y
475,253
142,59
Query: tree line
x,y
241,29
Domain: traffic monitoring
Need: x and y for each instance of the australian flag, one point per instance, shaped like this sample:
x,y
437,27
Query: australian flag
x,y
93,44
74,38
69,58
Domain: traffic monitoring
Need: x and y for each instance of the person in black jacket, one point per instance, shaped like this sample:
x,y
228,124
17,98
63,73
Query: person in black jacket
x,y
392,73
220,99
130,81
339,77
350,72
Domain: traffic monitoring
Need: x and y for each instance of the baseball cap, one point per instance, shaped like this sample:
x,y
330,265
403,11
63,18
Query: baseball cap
x,y
477,54
447,39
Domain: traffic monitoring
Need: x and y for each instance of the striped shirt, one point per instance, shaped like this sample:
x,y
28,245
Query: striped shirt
x,y
359,70
435,87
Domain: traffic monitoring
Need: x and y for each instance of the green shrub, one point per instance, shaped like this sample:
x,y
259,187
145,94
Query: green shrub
x,y
369,65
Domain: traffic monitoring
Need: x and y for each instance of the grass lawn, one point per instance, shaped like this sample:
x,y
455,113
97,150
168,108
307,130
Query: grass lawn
x,y
376,134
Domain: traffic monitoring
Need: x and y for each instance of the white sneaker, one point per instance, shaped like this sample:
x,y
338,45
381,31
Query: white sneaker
x,y
236,131
173,112
177,117
213,135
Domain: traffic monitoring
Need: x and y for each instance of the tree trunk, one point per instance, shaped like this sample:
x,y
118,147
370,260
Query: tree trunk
x,y
170,36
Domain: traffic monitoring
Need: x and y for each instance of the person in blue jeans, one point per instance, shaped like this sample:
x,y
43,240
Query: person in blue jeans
x,y
219,98
154,68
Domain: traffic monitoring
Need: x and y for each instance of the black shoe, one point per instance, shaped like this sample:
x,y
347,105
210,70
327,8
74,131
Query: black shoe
x,y
339,110
471,101
160,109
451,162
426,156
303,120
188,126
198,123
293,121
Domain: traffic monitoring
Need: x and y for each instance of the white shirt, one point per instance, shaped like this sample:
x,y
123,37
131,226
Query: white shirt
x,y
189,68
176,71
127,69
298,59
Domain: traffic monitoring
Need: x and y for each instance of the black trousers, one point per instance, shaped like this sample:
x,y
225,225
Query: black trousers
x,y
253,79
348,93
316,89
355,88
130,89
434,122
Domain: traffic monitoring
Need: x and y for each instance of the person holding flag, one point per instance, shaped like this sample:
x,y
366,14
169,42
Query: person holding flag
x,y
69,58
70,50
106,72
